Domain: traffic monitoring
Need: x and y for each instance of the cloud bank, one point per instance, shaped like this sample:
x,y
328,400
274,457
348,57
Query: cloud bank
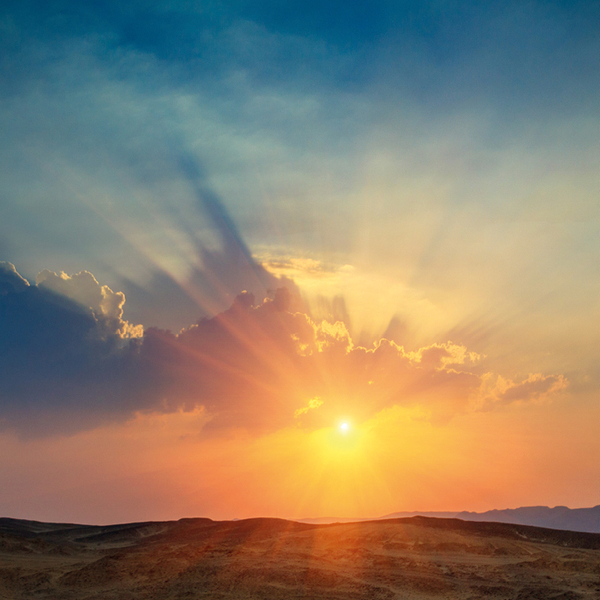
x,y
69,361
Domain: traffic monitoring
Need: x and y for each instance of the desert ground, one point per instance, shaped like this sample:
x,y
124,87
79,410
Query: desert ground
x,y
413,558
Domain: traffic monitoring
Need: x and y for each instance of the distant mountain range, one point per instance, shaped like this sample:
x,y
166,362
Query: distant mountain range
x,y
559,517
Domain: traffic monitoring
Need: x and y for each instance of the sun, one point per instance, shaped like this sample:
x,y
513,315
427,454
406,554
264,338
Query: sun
x,y
345,427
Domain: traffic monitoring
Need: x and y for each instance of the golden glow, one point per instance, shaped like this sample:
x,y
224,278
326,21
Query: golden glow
x,y
396,461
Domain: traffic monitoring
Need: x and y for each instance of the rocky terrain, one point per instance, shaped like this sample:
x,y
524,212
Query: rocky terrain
x,y
412,558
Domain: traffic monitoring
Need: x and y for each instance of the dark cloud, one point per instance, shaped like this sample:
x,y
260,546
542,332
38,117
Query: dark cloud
x,y
10,280
63,365
68,361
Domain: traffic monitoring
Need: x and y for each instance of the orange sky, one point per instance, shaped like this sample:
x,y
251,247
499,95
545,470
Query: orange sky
x,y
160,467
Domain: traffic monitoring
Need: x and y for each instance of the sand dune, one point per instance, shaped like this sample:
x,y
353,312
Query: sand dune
x,y
412,558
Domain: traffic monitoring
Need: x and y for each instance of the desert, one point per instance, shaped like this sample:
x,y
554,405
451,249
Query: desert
x,y
408,558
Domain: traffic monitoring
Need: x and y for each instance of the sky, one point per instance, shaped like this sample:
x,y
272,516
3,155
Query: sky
x,y
228,228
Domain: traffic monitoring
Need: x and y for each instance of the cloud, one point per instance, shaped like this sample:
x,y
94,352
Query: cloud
x,y
536,387
65,360
312,404
68,361
10,280
263,367
106,305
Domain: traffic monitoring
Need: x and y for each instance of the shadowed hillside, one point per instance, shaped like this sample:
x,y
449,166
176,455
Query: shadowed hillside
x,y
412,558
